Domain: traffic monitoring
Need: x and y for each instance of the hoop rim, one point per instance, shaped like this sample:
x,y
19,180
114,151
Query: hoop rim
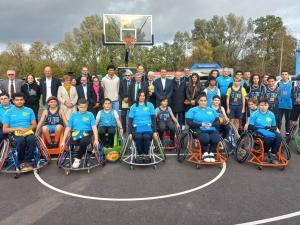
x,y
128,40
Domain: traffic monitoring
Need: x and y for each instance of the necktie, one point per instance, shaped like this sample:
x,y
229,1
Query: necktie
x,y
128,84
12,89
178,82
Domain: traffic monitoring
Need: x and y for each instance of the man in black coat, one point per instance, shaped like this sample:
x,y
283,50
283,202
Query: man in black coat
x,y
135,86
84,91
151,88
163,87
124,97
178,97
49,84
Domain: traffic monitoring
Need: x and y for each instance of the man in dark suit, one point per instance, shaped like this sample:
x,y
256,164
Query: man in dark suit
x,y
49,84
151,88
124,97
187,74
135,86
85,73
11,85
84,91
163,87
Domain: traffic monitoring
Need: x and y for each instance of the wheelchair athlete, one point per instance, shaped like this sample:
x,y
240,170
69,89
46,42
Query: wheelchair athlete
x,y
204,122
142,126
83,126
19,121
53,120
4,106
166,120
263,122
107,119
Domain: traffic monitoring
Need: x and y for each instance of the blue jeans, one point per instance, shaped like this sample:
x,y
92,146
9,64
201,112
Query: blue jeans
x,y
272,142
116,105
25,147
142,141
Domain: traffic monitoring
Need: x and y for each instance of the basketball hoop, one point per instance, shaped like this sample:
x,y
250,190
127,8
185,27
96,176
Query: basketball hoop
x,y
128,41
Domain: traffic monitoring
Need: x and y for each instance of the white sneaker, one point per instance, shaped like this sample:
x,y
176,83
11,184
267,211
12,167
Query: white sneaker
x,y
205,157
76,163
212,157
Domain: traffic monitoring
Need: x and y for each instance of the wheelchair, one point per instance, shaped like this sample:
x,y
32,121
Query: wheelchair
x,y
129,153
113,154
9,162
166,142
189,149
231,136
53,151
251,148
92,158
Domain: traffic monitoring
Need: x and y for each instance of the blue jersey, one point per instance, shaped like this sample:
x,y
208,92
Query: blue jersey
x,y
285,95
82,121
141,116
261,121
202,116
210,94
18,117
296,96
272,96
223,84
107,119
3,110
255,93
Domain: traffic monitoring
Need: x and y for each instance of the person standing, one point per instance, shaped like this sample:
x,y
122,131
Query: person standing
x,y
178,98
97,96
84,91
49,84
32,94
193,90
111,84
135,87
11,85
223,82
124,97
187,74
67,97
163,87
151,88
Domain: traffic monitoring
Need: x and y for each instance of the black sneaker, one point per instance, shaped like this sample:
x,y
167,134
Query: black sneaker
x,y
139,160
267,159
147,159
274,159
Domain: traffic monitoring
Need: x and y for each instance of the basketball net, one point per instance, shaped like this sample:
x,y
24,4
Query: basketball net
x,y
129,42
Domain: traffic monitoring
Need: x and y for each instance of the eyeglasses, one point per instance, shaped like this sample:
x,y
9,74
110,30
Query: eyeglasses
x,y
11,74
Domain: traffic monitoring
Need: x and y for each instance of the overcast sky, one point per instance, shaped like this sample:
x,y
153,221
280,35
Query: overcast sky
x,y
26,21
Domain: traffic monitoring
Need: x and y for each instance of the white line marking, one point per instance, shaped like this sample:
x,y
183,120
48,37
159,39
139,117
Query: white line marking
x,y
131,199
272,219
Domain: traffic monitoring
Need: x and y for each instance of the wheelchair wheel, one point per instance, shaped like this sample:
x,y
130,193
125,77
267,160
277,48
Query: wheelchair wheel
x,y
244,147
64,153
292,133
4,150
99,155
42,149
234,133
159,149
285,150
125,147
223,149
183,145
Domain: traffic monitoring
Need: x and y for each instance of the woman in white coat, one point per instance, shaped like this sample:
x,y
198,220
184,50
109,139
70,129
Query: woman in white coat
x,y
67,97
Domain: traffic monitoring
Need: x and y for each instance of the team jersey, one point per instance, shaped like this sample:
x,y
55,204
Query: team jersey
x,y
255,93
285,95
223,84
18,117
210,94
236,95
262,120
107,119
82,121
141,116
202,116
296,95
272,96
53,119
163,114
3,110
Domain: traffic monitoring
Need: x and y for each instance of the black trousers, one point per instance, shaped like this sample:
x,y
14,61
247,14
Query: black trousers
x,y
165,125
83,144
287,115
109,140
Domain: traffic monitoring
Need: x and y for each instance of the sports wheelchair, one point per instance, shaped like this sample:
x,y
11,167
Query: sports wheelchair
x,y
92,158
113,154
129,153
9,162
251,148
189,149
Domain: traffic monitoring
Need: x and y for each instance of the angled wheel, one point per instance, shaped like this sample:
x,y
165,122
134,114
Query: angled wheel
x,y
285,150
244,147
42,148
64,154
99,155
183,146
4,150
292,133
223,149
159,149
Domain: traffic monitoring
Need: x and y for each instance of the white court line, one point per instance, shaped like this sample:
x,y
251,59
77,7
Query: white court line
x,y
272,219
131,199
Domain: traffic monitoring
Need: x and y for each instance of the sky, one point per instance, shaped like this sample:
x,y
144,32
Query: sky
x,y
26,21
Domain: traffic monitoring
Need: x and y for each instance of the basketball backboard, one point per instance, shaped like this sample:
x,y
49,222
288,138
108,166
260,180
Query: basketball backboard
x,y
118,28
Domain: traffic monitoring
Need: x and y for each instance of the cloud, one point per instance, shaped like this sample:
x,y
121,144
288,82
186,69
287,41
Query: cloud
x,y
30,20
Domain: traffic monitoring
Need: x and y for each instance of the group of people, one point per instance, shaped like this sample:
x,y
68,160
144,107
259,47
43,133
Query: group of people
x,y
148,107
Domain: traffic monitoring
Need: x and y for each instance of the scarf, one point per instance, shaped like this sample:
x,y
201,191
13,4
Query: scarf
x,y
68,88
97,89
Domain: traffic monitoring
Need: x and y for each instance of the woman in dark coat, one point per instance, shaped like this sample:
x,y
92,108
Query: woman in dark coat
x,y
96,95
32,94
178,97
193,91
